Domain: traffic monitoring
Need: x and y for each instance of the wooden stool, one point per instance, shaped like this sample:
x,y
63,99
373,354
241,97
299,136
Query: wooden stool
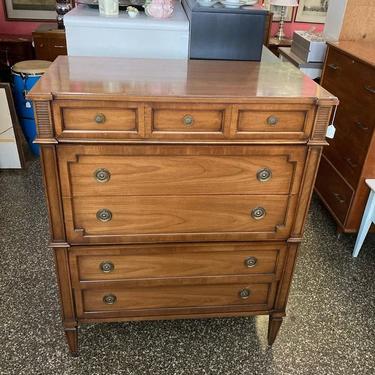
x,y
367,219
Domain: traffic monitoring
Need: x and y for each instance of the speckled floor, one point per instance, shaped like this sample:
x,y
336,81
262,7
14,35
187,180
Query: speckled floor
x,y
330,327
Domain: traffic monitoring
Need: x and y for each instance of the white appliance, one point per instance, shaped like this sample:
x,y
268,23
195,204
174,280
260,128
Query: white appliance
x,y
89,34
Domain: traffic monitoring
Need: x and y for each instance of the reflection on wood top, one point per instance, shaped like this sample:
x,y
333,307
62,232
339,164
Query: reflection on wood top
x,y
362,50
137,79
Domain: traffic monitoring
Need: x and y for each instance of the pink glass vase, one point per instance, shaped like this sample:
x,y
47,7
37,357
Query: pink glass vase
x,y
159,8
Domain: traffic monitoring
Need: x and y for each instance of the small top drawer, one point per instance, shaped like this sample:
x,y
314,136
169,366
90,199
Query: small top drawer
x,y
114,120
276,122
187,121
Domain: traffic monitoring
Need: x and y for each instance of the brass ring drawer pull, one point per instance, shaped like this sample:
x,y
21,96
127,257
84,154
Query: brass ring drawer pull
x,y
264,174
107,266
333,66
100,118
361,126
339,198
109,299
104,215
351,163
244,293
258,213
251,262
188,120
272,120
102,175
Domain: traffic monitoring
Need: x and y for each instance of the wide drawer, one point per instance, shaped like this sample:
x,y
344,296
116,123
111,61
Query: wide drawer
x,y
174,261
276,122
356,121
109,219
333,189
179,170
345,76
107,301
346,155
187,121
95,119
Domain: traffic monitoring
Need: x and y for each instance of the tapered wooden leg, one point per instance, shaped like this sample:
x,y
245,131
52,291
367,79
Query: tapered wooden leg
x,y
274,325
71,335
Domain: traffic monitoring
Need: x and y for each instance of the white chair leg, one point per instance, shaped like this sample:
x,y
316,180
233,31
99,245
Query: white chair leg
x,y
367,219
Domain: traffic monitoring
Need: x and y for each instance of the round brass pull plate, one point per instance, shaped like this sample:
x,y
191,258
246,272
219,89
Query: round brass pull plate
x,y
251,262
244,293
104,215
188,120
107,266
100,118
102,175
264,174
272,120
109,299
258,213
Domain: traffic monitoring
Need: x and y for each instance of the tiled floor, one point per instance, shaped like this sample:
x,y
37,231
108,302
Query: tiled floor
x,y
330,327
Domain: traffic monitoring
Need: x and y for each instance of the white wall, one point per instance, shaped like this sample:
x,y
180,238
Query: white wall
x,y
335,18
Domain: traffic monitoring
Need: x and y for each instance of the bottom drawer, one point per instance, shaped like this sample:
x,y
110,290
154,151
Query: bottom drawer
x,y
124,299
334,190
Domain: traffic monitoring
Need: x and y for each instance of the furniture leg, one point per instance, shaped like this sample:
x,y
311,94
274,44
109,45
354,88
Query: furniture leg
x,y
274,325
368,218
71,335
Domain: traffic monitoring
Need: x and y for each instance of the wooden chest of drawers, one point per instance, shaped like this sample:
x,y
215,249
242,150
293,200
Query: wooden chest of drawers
x,y
349,73
177,189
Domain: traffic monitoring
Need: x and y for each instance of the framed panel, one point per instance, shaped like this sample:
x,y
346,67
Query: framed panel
x,y
30,9
312,11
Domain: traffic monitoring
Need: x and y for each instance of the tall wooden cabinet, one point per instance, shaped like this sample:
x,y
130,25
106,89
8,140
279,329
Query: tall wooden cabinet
x,y
177,189
349,73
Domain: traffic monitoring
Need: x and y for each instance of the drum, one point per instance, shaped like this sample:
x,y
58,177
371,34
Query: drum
x,y
24,76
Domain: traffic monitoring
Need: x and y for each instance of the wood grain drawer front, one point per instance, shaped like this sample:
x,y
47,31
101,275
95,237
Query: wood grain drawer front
x,y
346,155
345,76
98,120
355,122
187,121
175,261
180,170
204,217
277,122
333,189
254,296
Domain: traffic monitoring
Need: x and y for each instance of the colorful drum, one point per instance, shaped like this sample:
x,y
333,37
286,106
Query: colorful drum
x,y
24,76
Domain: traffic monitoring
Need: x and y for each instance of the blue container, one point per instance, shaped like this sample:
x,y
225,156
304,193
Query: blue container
x,y
22,84
29,130
25,75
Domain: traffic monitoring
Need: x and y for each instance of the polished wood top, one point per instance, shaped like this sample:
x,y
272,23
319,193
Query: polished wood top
x,y
141,79
364,51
